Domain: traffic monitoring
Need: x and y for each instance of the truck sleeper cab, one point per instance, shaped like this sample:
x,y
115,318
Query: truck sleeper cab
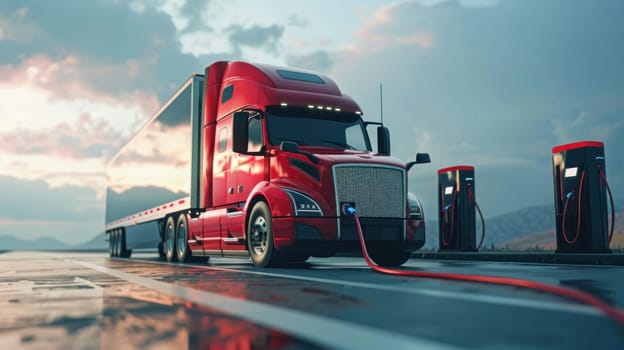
x,y
271,156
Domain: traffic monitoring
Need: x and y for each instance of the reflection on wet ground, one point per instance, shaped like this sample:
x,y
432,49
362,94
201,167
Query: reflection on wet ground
x,y
289,293
64,306
602,289
50,302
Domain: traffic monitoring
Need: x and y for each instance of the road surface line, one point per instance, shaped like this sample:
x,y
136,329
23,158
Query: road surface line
x,y
488,299
321,330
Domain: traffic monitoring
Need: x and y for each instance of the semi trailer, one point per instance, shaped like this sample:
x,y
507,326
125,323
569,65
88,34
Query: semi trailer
x,y
258,161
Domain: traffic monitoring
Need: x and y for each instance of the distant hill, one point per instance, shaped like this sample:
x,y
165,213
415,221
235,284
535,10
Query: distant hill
x,y
546,239
504,228
9,242
96,243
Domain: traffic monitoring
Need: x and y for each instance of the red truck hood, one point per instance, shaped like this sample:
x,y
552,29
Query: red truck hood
x,y
330,156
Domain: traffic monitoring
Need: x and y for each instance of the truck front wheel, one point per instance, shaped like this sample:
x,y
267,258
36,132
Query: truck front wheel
x,y
170,240
260,236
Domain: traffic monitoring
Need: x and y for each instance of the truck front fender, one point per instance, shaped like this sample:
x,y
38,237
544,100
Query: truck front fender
x,y
279,202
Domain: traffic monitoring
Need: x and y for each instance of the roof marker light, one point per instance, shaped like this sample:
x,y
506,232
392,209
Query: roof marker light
x,y
328,108
283,104
311,106
337,109
319,107
358,112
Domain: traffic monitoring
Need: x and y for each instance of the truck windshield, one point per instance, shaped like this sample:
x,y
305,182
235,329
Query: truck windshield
x,y
313,127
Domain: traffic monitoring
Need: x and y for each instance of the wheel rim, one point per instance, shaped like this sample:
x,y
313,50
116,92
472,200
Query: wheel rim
x,y
116,244
181,239
111,248
169,239
259,236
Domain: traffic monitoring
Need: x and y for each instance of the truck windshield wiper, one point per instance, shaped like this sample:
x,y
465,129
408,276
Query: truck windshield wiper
x,y
341,144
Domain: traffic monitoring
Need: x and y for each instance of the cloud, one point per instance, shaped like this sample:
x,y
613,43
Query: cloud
x,y
70,213
34,199
141,53
586,126
14,28
87,138
72,78
297,21
466,3
256,36
373,36
319,61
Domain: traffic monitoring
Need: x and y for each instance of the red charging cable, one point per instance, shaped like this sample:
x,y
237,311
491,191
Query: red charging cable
x,y
578,212
586,298
480,215
445,212
603,178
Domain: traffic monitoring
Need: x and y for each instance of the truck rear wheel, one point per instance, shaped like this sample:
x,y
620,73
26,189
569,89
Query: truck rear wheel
x,y
124,252
111,249
116,243
170,240
260,236
183,251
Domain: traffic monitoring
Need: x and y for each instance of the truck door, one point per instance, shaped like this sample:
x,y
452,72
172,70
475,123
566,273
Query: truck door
x,y
247,171
214,223
249,168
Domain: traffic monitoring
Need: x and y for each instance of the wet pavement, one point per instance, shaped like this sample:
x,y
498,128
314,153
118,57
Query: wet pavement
x,y
88,301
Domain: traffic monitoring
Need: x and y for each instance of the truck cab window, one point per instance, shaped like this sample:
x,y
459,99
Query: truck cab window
x,y
255,133
223,138
353,135
313,127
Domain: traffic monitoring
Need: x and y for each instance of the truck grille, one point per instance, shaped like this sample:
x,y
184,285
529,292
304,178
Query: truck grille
x,y
377,192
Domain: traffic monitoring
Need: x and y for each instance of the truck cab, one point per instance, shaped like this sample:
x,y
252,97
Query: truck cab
x,y
289,150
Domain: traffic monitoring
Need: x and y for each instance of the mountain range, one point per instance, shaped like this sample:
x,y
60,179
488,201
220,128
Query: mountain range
x,y
9,242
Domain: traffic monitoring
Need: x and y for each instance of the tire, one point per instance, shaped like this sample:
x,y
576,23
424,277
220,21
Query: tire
x,y
183,251
110,244
115,243
170,240
260,236
124,252
161,250
389,257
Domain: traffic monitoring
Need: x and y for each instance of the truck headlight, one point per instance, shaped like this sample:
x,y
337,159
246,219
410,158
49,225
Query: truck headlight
x,y
415,207
304,205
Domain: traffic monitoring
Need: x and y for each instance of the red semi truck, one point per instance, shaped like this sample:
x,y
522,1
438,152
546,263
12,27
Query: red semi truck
x,y
253,160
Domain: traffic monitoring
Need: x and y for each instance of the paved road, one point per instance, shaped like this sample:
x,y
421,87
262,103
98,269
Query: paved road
x,y
86,300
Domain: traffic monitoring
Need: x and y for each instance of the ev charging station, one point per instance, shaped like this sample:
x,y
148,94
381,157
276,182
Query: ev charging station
x,y
456,214
581,190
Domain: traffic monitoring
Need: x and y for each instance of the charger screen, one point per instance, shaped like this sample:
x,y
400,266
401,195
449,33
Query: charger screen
x,y
448,190
570,172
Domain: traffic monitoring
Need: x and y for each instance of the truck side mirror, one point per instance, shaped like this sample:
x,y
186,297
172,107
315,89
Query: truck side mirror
x,y
240,132
421,158
383,140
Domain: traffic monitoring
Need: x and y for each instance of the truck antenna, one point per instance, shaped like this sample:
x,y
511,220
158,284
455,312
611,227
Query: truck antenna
x,y
381,101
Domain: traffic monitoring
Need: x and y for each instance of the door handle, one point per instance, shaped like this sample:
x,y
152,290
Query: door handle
x,y
240,188
231,190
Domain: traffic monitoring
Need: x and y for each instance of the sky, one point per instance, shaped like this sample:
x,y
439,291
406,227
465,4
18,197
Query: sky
x,y
489,83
